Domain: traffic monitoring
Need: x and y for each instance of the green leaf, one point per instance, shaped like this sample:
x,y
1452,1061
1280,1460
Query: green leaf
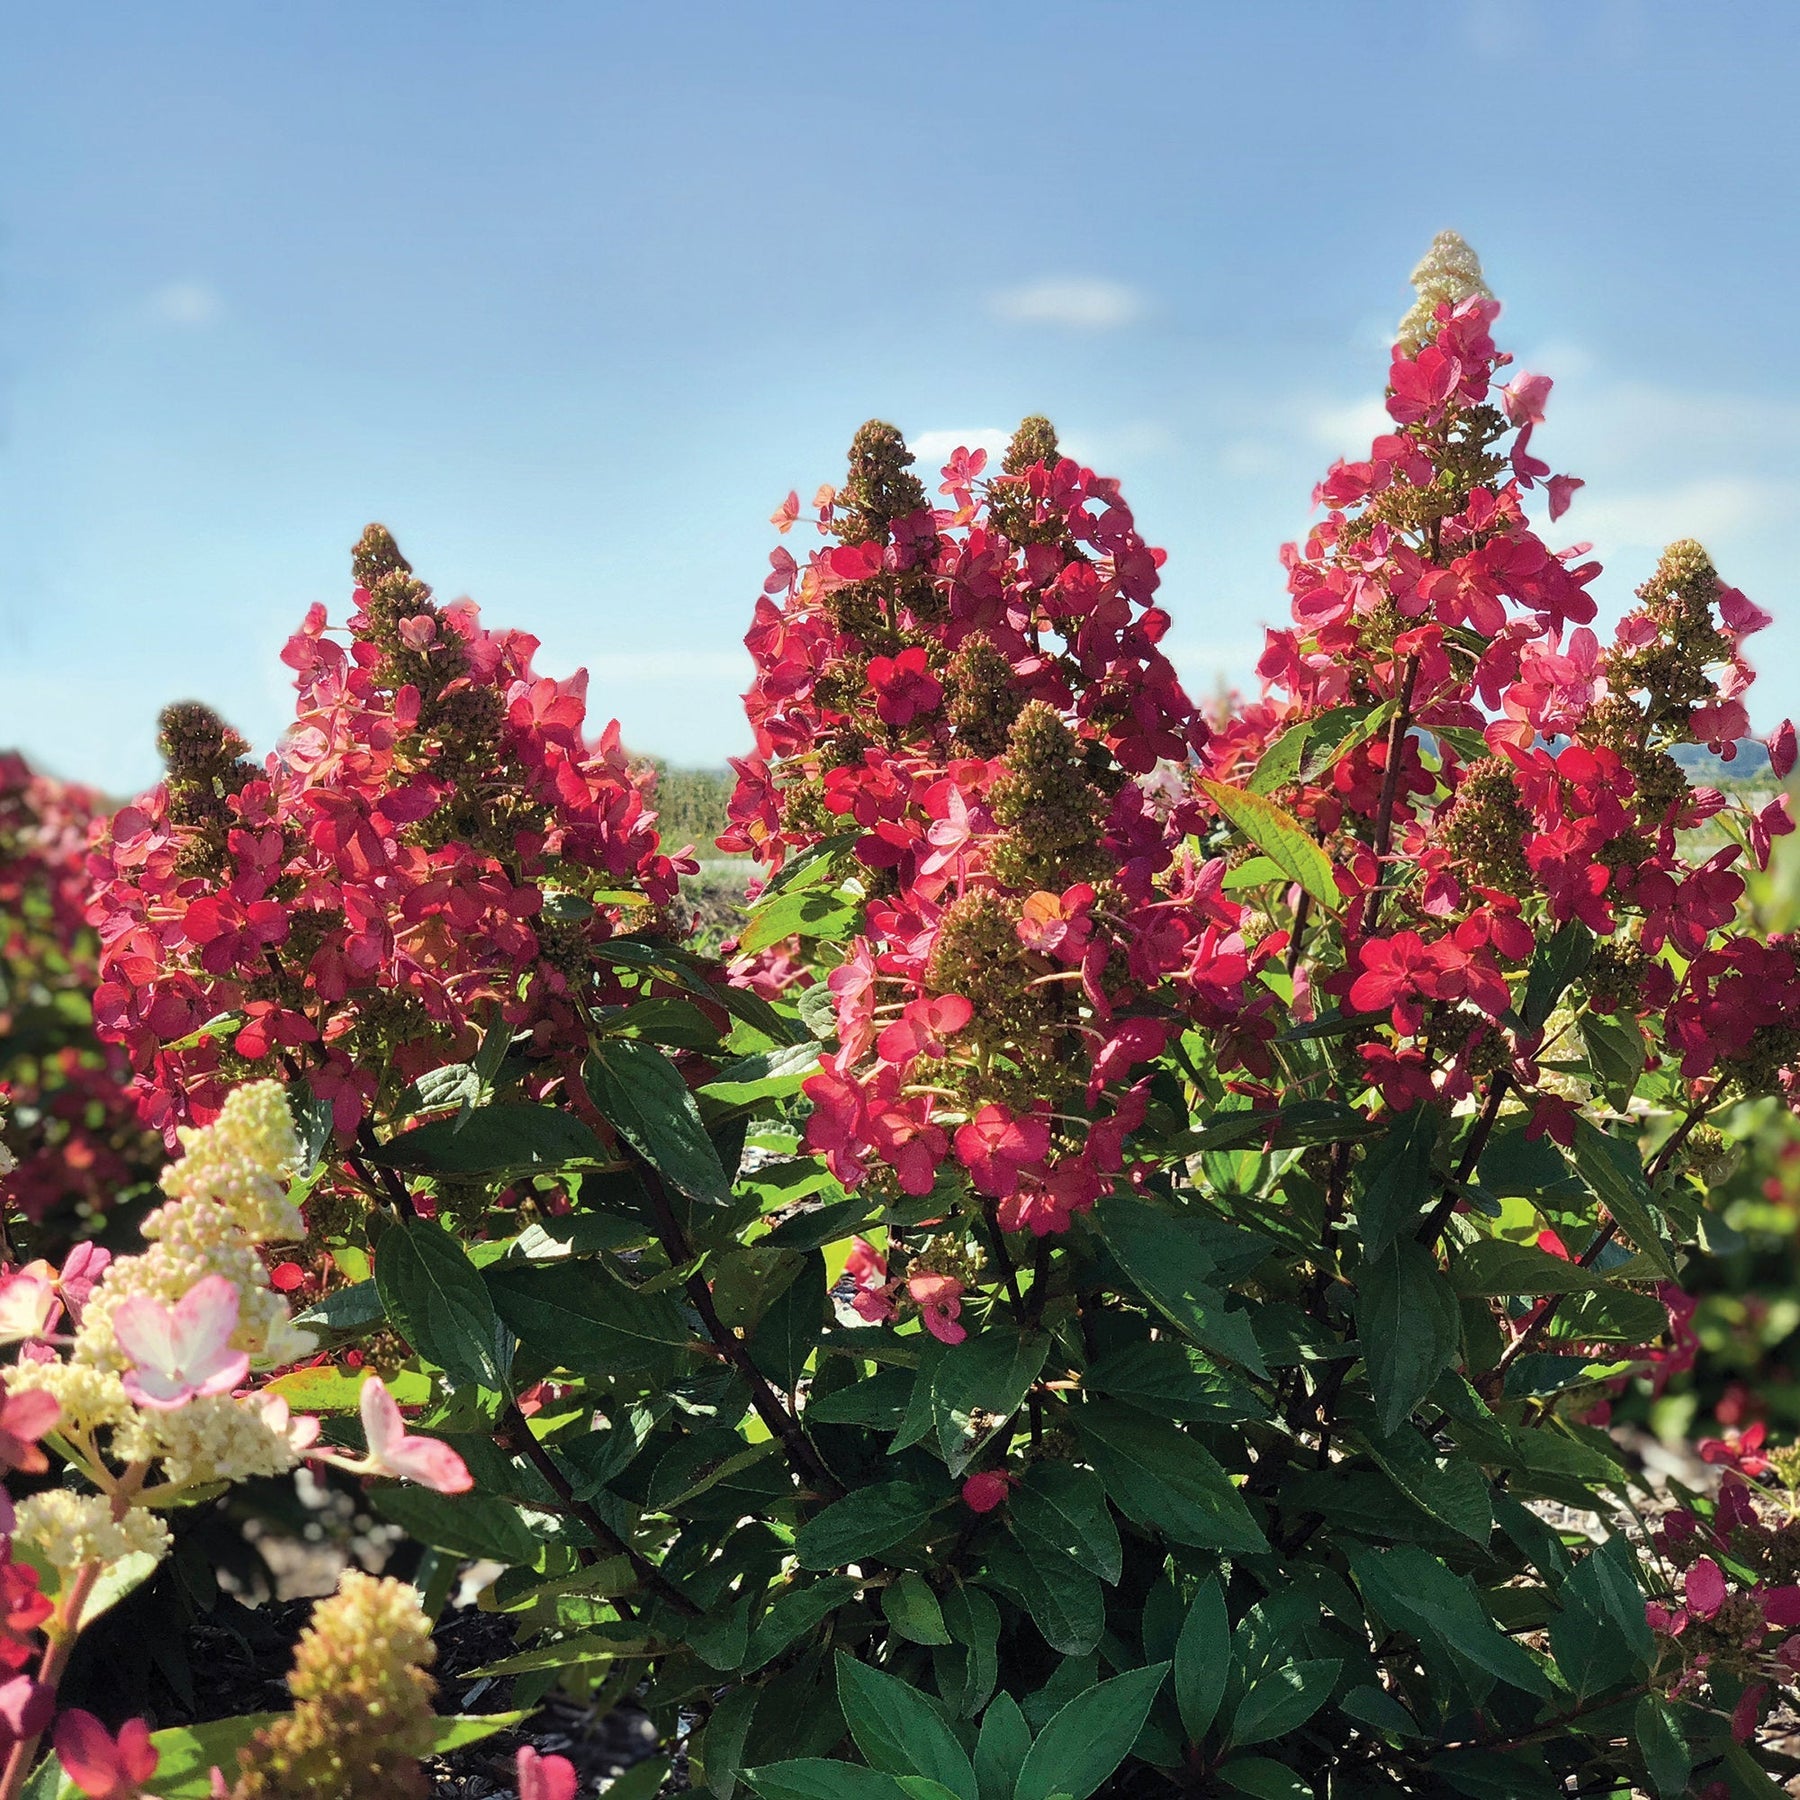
x,y
700,1461
986,1378
1203,1660
1172,1380
506,1137
1396,1184
813,1778
121,1577
1452,1488
326,1389
1066,1508
1616,1053
1528,1168
1003,1745
765,1076
1283,1699
580,1316
1264,1778
816,1226
1280,837
785,1335
1559,959
468,1524
436,1299
1615,1171
352,1309
1305,751
809,913
186,1755
913,1610
878,1400
1176,1269
1375,1706
601,1644
1600,1637
973,1620
1408,1325
897,1729
863,1523
1166,1480
457,1731
1498,1266
1750,1777
664,1019
1413,1590
1662,1746
646,1101
642,1781
1089,1737
1065,1601
793,1615
720,1751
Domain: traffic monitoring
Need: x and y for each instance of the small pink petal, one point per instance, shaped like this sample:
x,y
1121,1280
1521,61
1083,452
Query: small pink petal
x,y
1705,1588
545,1777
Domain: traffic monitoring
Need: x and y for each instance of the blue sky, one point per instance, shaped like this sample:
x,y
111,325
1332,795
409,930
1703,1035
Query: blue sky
x,y
570,295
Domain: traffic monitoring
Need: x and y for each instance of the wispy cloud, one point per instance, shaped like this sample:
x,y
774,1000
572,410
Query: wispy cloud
x,y
1652,518
1077,303
932,449
186,303
1348,430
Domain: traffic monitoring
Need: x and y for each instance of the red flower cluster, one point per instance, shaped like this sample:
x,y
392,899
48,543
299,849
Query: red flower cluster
x,y
433,846
966,706
79,1143
1732,1614
1481,771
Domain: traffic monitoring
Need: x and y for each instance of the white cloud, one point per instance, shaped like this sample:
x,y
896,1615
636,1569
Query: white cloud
x,y
1655,517
1348,430
932,449
1111,446
1080,303
187,303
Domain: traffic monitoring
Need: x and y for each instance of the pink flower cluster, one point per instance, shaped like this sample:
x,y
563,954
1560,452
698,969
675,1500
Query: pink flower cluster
x,y
1732,1612
1531,782
434,845
970,704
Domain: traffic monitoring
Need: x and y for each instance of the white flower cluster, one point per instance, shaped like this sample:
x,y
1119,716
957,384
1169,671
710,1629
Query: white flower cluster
x,y
229,1194
69,1530
1450,270
214,1437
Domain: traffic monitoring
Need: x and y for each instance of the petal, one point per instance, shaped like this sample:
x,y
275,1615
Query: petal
x,y
431,1464
381,1422
145,1332
204,1320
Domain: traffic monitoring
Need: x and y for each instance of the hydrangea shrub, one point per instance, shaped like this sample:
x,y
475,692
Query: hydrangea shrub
x,y
1110,1292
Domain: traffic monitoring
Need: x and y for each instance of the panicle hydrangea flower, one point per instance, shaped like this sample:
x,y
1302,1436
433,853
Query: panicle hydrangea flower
x,y
71,1531
434,845
1488,770
1448,273
968,708
362,1714
230,1201
161,1338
